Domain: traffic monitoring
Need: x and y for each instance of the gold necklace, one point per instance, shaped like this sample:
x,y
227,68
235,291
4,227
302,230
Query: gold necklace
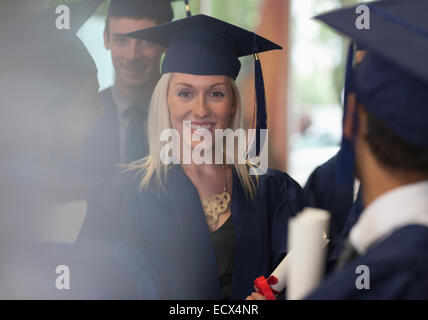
x,y
216,204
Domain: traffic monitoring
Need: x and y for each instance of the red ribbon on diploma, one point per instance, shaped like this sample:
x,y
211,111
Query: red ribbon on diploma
x,y
263,285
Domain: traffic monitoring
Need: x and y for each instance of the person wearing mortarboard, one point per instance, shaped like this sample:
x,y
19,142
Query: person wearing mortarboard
x,y
120,132
48,88
205,231
48,104
342,199
386,127
386,140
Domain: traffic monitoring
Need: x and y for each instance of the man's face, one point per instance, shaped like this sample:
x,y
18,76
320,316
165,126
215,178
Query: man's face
x,y
136,62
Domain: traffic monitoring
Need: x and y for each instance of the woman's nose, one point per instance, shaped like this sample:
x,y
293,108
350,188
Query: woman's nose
x,y
200,108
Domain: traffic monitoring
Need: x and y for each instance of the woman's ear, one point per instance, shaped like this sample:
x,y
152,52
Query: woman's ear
x,y
349,121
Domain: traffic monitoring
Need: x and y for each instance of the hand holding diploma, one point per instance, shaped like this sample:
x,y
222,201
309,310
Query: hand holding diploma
x,y
303,267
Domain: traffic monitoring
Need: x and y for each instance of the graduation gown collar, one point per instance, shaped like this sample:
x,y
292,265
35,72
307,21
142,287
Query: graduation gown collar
x,y
187,208
248,241
191,223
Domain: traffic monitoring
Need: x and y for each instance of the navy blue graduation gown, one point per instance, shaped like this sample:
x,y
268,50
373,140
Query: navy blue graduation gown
x,y
168,229
337,246
398,269
27,267
323,191
101,148
96,271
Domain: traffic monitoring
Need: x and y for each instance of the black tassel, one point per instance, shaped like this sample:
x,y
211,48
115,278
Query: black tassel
x,y
261,107
346,156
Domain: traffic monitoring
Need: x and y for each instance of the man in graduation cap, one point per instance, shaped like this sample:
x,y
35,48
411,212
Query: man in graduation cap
x,y
386,137
120,132
387,127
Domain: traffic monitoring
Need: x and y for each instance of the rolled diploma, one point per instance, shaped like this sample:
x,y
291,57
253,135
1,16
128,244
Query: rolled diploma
x,y
307,244
281,272
278,280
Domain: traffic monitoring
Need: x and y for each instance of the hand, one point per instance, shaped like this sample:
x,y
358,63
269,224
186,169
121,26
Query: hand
x,y
255,295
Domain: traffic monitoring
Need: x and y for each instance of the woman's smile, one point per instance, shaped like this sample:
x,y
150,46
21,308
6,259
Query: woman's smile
x,y
200,128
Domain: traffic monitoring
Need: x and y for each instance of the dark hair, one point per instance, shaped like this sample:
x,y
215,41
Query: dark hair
x,y
107,27
159,11
393,152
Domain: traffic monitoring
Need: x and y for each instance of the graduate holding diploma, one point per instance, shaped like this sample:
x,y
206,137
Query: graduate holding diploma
x,y
203,230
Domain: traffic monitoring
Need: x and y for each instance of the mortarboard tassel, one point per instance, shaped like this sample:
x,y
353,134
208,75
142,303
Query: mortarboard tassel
x,y
261,106
346,161
188,12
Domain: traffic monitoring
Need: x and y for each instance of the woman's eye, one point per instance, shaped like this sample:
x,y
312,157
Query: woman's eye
x,y
217,94
184,94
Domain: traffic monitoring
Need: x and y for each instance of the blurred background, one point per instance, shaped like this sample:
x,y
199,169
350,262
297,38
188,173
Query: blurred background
x,y
303,81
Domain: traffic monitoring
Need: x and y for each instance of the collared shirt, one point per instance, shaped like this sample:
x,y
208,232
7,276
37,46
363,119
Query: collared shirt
x,y
122,104
391,211
357,184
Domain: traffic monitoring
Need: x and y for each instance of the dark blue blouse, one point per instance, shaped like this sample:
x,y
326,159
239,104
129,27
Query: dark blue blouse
x,y
224,246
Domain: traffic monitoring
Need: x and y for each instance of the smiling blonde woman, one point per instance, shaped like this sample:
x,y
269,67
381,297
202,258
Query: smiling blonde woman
x,y
160,120
204,231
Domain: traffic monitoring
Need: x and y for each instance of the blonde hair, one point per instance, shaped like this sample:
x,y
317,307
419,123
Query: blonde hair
x,y
159,120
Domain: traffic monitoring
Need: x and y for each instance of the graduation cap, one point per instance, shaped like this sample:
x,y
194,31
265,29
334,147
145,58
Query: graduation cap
x,y
47,67
56,46
43,24
392,79
36,47
202,45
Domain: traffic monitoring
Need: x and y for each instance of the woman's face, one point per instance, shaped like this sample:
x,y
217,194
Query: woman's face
x,y
205,101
